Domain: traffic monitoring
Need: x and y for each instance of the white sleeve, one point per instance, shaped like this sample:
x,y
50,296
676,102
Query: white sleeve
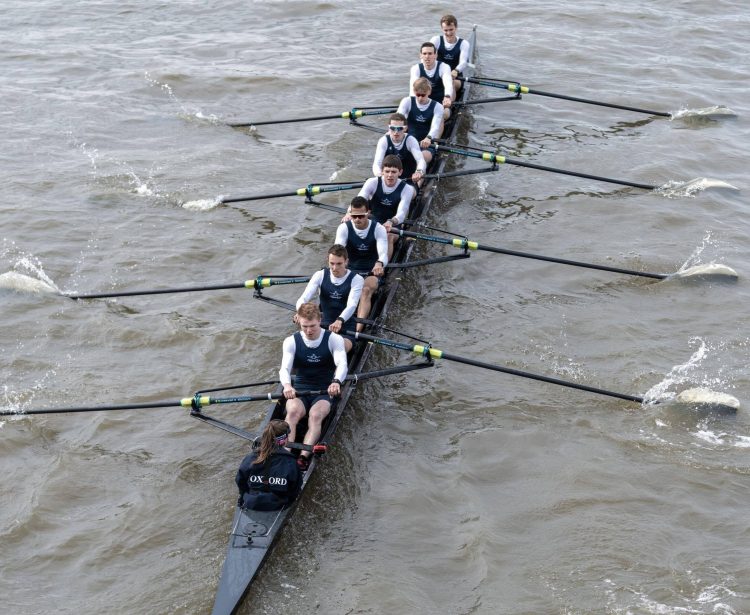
x,y
368,190
405,106
312,289
381,237
463,60
413,76
353,300
403,207
287,360
435,40
437,119
413,146
338,350
445,73
342,234
377,162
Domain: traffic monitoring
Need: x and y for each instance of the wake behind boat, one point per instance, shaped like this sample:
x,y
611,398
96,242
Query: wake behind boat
x,y
253,533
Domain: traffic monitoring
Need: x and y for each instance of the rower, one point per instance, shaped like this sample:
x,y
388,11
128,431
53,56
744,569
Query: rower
x,y
269,478
389,197
437,73
424,117
319,359
339,290
367,242
397,141
452,50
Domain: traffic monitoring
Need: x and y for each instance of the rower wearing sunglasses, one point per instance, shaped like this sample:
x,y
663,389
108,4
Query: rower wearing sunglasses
x,y
366,243
389,197
397,141
424,117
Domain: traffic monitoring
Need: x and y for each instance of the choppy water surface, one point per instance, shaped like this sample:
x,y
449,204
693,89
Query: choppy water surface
x,y
452,491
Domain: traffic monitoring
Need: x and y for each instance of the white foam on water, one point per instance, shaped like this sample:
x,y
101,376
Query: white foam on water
x,y
212,119
202,204
675,189
717,111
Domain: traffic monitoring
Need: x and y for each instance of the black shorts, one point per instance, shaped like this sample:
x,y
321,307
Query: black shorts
x,y
308,401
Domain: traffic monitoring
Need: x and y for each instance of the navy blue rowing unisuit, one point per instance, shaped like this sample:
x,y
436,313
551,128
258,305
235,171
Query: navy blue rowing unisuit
x,y
419,122
385,206
333,297
363,252
315,366
450,57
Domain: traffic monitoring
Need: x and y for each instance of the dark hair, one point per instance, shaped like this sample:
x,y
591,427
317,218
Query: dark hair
x,y
359,202
268,444
399,117
449,20
391,160
427,44
338,250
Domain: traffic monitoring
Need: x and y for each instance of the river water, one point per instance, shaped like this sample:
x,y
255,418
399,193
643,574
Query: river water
x,y
449,491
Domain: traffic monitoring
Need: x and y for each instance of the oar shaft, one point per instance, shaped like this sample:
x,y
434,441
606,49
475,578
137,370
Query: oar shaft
x,y
427,351
158,404
257,283
307,191
609,180
522,89
352,114
497,158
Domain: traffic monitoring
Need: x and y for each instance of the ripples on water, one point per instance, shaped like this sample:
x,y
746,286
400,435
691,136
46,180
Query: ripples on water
x,y
453,492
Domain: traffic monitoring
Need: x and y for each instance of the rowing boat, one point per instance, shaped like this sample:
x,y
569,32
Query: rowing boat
x,y
253,533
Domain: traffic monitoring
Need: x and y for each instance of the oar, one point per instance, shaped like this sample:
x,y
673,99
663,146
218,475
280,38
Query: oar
x,y
198,401
467,244
257,283
522,89
354,113
498,159
692,396
308,191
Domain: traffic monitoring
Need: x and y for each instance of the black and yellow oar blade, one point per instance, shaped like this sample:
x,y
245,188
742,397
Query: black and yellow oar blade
x,y
308,191
699,397
522,89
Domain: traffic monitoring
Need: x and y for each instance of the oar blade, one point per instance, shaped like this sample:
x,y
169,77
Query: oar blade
x,y
12,280
706,399
710,270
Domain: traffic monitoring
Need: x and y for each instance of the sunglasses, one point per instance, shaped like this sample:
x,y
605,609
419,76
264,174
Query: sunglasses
x,y
396,128
357,216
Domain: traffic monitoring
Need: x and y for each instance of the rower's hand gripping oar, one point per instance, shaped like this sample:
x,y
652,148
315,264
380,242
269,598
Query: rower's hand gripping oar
x,y
692,396
256,284
465,244
352,114
496,158
522,89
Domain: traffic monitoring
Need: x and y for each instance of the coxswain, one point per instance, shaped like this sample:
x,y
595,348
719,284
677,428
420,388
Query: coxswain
x,y
366,242
424,117
399,142
338,290
452,50
269,478
319,358
437,73
389,197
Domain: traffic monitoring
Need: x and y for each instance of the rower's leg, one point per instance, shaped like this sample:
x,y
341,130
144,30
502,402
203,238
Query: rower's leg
x,y
365,299
347,345
392,239
318,413
427,154
295,411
